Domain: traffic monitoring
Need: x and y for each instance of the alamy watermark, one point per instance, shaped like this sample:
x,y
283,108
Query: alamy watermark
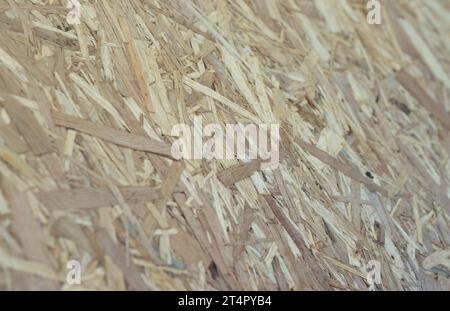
x,y
374,12
74,15
373,276
238,141
73,276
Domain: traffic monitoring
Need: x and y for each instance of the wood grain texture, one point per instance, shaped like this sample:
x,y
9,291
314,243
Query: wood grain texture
x,y
87,173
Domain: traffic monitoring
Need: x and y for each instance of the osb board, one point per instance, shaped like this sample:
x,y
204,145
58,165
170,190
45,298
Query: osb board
x,y
86,174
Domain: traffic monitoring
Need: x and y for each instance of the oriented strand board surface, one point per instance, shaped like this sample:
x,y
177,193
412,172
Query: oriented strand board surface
x,y
86,172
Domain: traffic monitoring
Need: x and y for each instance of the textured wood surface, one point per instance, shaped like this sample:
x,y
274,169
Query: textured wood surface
x,y
87,174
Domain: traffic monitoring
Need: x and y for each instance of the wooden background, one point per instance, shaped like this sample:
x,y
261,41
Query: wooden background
x,y
85,118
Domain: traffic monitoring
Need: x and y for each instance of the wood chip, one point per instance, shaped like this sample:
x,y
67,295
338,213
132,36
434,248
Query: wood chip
x,y
118,137
87,120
